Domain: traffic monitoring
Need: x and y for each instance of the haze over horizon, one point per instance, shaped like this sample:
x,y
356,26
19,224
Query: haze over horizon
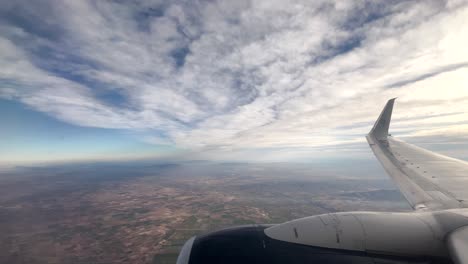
x,y
243,80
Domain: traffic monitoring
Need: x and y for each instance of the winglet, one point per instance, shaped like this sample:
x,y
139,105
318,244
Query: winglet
x,y
380,129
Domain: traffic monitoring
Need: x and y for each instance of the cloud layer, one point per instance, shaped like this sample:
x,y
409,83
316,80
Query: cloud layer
x,y
235,76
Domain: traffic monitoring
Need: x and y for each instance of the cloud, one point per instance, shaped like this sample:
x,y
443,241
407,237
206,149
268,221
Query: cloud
x,y
238,75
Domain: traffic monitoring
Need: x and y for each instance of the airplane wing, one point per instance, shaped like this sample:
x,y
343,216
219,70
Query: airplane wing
x,y
429,181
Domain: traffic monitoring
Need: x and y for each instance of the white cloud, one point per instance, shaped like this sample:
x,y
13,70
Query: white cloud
x,y
240,75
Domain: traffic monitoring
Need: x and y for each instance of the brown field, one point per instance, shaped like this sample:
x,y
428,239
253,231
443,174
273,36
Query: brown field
x,y
118,214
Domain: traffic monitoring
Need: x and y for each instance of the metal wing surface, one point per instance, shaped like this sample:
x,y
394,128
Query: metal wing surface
x,y
429,181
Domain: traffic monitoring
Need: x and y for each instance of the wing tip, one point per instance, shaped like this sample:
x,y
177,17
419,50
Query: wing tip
x,y
381,126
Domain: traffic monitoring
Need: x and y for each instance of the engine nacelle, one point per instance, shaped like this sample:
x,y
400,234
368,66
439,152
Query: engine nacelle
x,y
338,238
403,234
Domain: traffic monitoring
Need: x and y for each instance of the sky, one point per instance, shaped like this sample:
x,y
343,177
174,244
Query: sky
x,y
263,80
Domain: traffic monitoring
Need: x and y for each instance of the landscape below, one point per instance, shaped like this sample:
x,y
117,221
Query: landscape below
x,y
143,212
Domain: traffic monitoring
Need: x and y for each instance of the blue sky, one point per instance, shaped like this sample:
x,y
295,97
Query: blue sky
x,y
30,136
228,80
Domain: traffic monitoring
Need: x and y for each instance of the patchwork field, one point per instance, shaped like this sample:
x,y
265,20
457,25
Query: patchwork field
x,y
143,214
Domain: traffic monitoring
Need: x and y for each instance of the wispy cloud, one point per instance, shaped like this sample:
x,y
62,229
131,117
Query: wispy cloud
x,y
238,76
